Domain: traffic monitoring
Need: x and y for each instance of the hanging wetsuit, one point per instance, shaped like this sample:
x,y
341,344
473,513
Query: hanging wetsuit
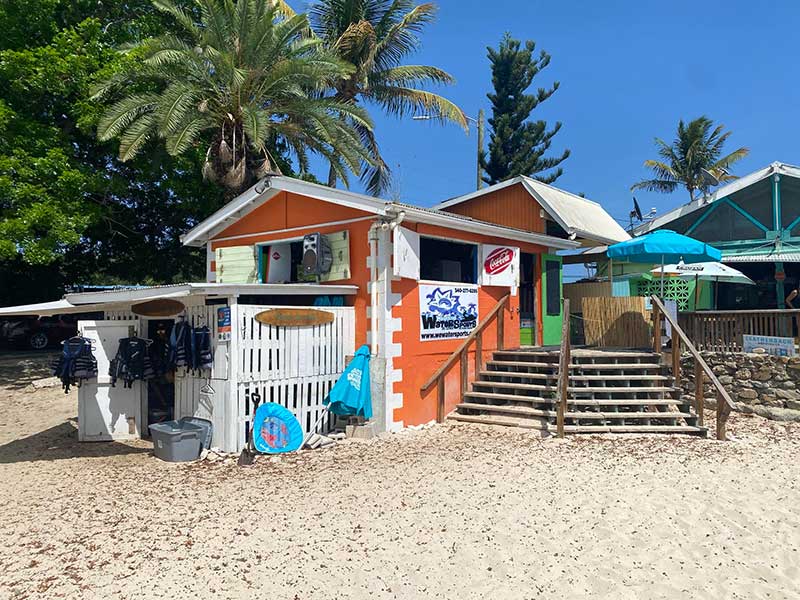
x,y
76,363
132,362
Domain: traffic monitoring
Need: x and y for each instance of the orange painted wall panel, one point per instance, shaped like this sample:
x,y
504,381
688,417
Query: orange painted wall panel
x,y
420,359
512,206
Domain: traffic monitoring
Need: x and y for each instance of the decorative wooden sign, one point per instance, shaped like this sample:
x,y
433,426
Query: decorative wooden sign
x,y
294,317
161,307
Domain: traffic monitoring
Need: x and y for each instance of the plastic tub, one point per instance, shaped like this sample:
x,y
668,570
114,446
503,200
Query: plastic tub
x,y
208,429
175,441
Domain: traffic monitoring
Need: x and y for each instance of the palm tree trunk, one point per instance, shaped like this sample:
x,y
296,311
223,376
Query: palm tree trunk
x,y
331,177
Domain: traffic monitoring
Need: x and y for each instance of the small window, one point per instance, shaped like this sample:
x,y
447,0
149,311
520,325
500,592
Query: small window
x,y
553,283
282,262
442,260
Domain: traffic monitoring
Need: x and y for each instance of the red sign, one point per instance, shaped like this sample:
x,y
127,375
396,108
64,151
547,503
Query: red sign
x,y
276,256
780,276
498,261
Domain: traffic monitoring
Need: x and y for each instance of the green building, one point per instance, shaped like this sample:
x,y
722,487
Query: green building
x,y
755,221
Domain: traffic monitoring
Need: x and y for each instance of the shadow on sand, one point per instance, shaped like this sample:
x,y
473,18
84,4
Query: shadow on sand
x,y
19,369
61,442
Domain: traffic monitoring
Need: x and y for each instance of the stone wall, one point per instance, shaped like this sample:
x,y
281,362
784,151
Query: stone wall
x,y
759,383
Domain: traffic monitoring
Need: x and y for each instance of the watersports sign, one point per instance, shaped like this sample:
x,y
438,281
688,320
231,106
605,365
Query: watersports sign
x,y
776,346
224,324
446,311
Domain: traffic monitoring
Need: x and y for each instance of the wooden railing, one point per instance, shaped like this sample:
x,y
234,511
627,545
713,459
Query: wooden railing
x,y
461,355
722,330
563,370
679,338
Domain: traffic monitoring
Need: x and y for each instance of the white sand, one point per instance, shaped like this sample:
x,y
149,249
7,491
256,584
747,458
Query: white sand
x,y
450,512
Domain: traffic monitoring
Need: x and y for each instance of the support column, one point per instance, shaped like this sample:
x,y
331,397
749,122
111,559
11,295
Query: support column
x,y
780,290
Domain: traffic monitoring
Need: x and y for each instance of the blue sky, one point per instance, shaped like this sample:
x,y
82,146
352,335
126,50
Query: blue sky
x,y
629,70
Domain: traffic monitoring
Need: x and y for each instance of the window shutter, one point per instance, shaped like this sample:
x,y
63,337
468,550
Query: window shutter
x,y
237,264
406,253
340,249
499,265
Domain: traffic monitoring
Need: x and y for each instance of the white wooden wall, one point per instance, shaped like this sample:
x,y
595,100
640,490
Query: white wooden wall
x,y
291,366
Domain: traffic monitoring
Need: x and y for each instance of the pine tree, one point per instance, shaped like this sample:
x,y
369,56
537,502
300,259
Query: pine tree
x,y
517,145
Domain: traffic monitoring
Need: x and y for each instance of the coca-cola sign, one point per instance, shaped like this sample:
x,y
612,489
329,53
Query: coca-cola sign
x,y
498,261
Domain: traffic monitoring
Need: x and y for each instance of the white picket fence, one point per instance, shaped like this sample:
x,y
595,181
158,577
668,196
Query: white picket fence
x,y
291,366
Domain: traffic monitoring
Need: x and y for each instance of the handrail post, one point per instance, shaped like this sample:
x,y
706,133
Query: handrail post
x,y
656,329
478,353
563,372
501,328
676,358
440,400
723,411
464,360
699,392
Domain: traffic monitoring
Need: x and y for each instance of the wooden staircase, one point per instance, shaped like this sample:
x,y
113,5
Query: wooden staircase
x,y
608,391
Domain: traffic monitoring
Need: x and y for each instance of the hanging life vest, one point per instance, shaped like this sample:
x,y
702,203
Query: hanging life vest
x,y
132,362
180,341
76,363
202,358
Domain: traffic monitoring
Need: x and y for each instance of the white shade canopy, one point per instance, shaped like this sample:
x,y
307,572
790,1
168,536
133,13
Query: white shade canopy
x,y
713,271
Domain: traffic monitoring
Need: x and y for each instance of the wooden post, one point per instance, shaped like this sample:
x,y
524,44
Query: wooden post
x,y
440,399
563,373
676,358
478,353
699,393
501,328
464,360
656,329
723,410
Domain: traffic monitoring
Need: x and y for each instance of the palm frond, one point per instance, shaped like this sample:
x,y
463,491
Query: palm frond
x,y
122,114
401,101
135,136
184,136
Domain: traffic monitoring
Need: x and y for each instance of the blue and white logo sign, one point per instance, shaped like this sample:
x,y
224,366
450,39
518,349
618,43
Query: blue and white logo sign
x,y
447,312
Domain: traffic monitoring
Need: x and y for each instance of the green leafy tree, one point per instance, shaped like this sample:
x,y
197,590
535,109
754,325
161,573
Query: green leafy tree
x,y
376,37
518,145
236,80
697,146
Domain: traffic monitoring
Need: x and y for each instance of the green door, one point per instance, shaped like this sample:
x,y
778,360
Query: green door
x,y
551,300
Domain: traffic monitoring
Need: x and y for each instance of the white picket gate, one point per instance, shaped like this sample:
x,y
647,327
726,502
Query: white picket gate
x,y
291,366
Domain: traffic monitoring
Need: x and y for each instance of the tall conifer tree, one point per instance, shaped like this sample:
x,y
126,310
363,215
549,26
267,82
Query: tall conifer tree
x,y
517,145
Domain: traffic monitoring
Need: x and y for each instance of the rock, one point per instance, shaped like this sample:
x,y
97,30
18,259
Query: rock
x,y
763,374
314,441
338,435
760,385
746,395
726,379
719,370
788,385
743,374
787,394
769,412
47,382
361,432
793,404
326,441
731,365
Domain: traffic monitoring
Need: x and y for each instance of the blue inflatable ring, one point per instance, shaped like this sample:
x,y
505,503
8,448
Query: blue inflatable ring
x,y
276,430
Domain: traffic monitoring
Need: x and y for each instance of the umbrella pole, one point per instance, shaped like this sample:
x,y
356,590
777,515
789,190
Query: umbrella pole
x,y
696,291
662,277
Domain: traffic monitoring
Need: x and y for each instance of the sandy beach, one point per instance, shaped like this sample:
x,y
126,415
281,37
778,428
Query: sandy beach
x,y
454,511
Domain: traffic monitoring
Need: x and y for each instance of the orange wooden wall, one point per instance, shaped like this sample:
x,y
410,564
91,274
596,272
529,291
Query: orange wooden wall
x,y
420,359
511,206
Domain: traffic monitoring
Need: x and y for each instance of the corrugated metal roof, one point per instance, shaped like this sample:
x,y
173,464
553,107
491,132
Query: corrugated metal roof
x,y
792,256
778,168
577,215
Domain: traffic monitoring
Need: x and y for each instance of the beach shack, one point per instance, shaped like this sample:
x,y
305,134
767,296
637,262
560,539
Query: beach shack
x,y
410,282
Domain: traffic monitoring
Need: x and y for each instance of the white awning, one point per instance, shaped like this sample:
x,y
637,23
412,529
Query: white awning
x,y
43,309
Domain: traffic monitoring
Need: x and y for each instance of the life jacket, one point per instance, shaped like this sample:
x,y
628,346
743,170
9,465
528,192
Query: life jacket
x,y
201,348
76,363
132,362
180,346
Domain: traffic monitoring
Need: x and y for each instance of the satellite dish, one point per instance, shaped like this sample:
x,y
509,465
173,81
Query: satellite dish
x,y
708,177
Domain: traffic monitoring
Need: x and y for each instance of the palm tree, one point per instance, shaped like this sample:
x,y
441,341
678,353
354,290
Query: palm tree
x,y
697,147
375,36
239,77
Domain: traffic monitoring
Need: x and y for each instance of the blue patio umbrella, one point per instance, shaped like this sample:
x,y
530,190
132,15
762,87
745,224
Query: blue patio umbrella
x,y
664,246
350,395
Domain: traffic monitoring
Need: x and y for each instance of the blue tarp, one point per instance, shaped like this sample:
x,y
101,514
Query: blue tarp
x,y
351,394
664,247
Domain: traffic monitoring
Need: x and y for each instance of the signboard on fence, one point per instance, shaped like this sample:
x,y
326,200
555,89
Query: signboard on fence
x,y
446,311
776,346
224,324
